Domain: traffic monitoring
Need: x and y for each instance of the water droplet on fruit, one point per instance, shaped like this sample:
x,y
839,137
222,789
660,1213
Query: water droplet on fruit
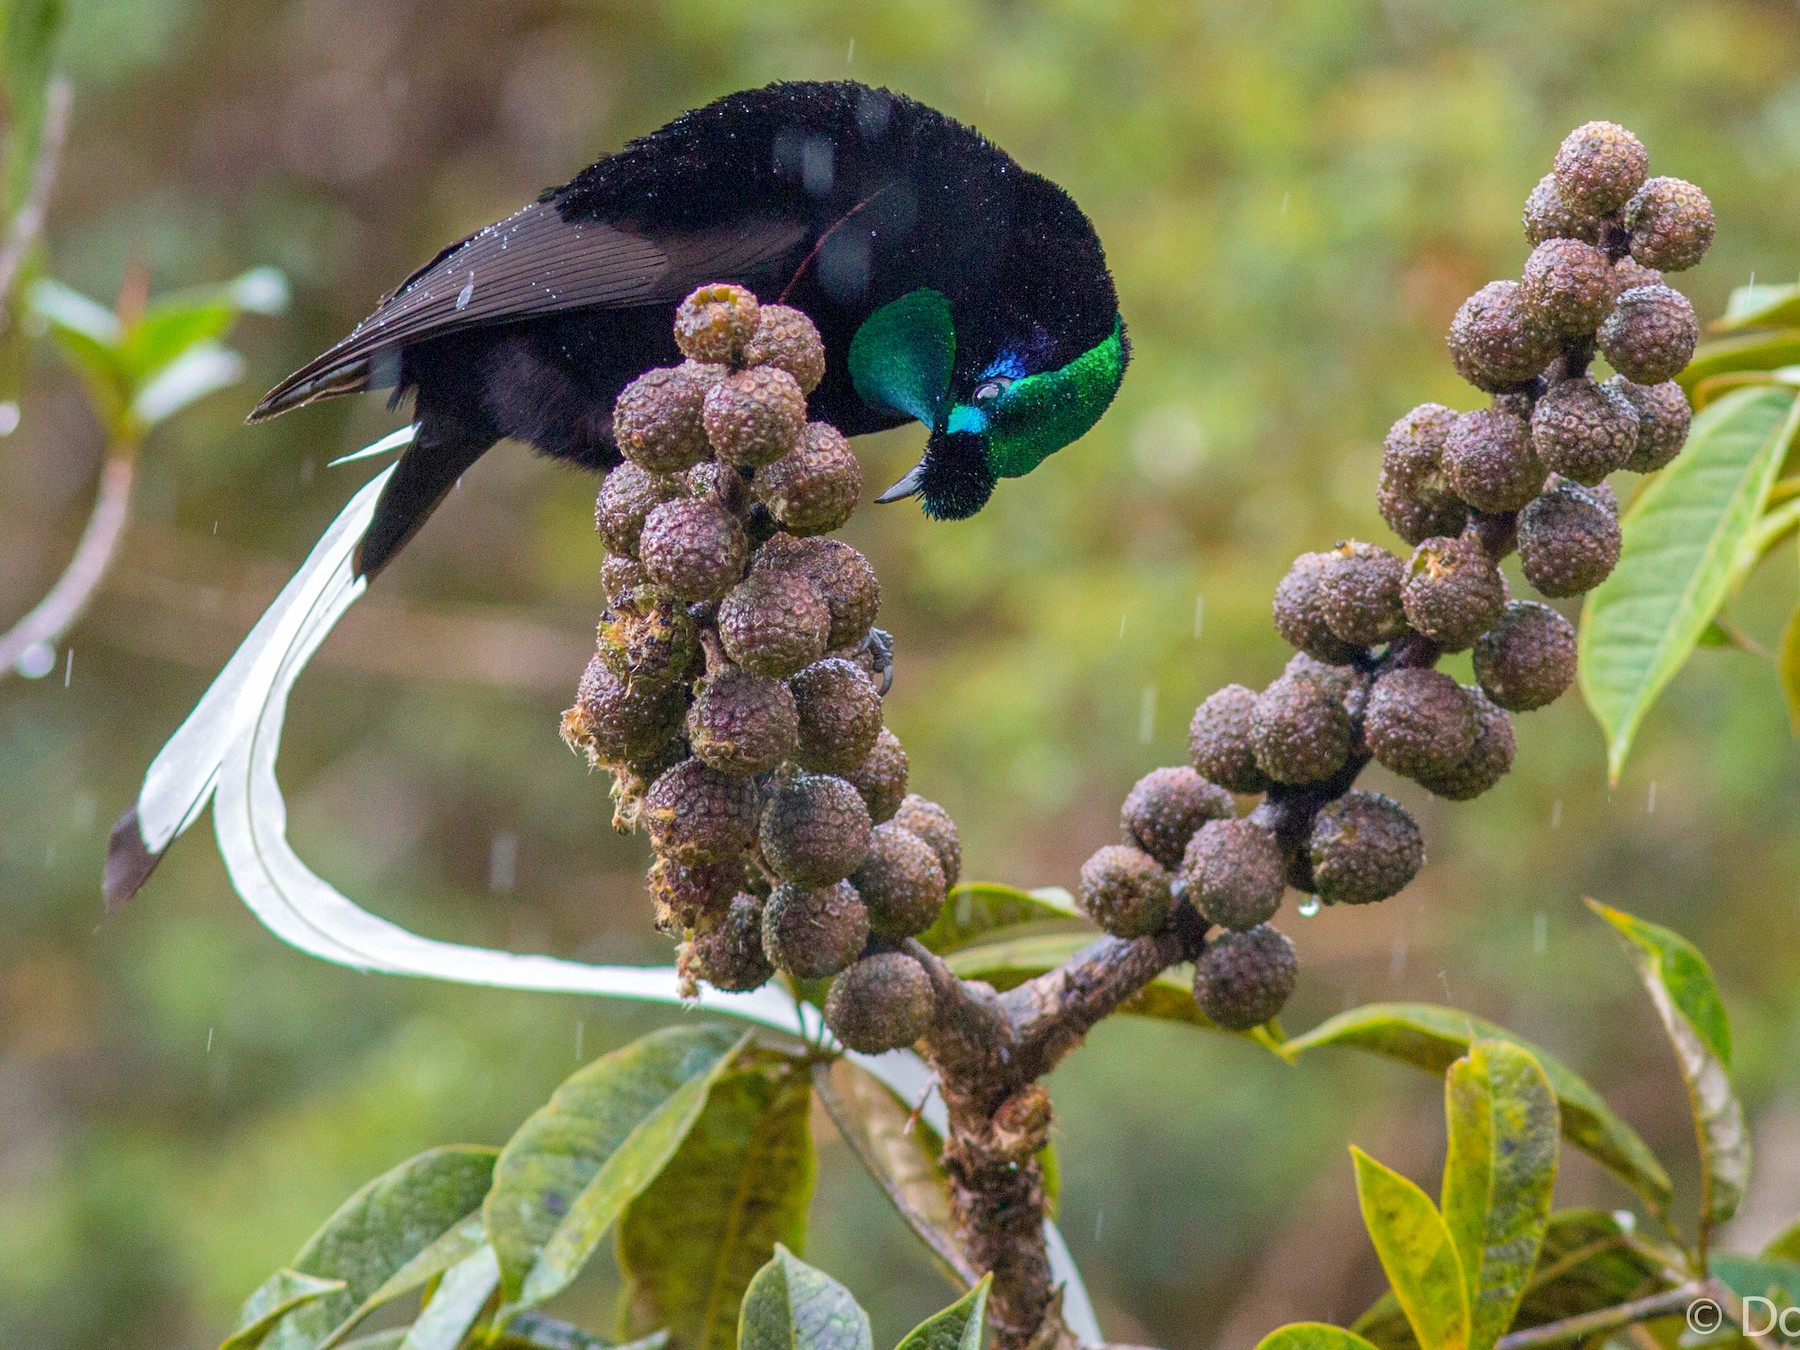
x,y
1309,906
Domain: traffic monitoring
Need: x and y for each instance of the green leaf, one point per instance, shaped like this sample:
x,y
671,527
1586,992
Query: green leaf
x,y
1789,665
1431,1038
899,1152
1587,1262
172,324
456,1303
378,1230
534,1331
1416,1252
1686,998
978,909
1312,1336
1759,307
1683,540
577,1161
1759,1277
274,1299
740,1183
791,1306
958,1327
1006,962
202,369
1753,351
1498,1177
1785,1246
452,1247
32,32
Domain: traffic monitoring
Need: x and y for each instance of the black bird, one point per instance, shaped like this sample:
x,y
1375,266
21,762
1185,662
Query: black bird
x,y
841,200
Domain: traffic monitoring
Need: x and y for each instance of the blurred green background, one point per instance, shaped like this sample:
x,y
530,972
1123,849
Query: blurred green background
x,y
1295,197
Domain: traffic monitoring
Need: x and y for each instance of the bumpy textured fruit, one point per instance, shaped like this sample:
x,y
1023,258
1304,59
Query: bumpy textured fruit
x,y
1235,873
1166,806
657,419
716,323
1413,493
754,417
696,814
840,715
1671,224
774,622
932,823
614,721
696,550
646,638
1299,731
742,723
685,894
813,933
881,778
1650,335
901,882
1488,759
1584,430
1125,891
1359,594
628,495
1453,591
1664,418
1243,979
1527,659
1568,285
1300,612
842,576
728,954
619,574
1568,540
1419,722
815,830
1489,461
1599,165
813,489
1364,847
883,1002
1496,341
1629,272
1219,742
1348,685
1548,215
786,338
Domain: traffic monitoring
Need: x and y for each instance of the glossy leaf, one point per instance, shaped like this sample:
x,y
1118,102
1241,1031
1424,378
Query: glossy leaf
x,y
1785,1246
1587,1261
1498,1177
1005,962
1686,998
1775,1279
456,1303
1763,306
1684,536
899,1152
1312,1336
740,1183
603,1136
976,910
274,1299
457,1243
1431,1038
791,1306
534,1331
205,368
378,1230
1788,659
961,1326
1752,351
1416,1252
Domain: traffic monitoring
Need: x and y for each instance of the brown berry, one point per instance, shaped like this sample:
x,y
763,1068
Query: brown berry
x,y
728,953
1569,540
1583,430
1527,659
841,574
815,830
627,496
932,823
774,622
1488,759
883,1002
840,715
1650,335
1663,420
1235,873
1300,613
1599,165
742,723
814,488
881,778
696,814
1419,722
696,550
1496,341
1671,224
1299,731
1363,847
1125,891
1359,594
687,894
900,881
1548,215
647,638
1219,743
1568,285
813,933
1164,809
614,720
754,417
657,419
1453,591
786,338
716,323
1489,461
1242,980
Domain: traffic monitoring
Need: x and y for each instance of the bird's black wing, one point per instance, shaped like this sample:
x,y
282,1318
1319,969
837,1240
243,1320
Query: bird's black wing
x,y
534,262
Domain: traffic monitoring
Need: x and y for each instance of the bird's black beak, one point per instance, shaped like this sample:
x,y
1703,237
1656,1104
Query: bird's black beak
x,y
909,486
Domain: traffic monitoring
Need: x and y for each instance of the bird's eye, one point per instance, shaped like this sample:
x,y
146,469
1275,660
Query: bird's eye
x,y
989,390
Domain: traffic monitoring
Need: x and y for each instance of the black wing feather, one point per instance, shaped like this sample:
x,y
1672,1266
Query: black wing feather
x,y
532,263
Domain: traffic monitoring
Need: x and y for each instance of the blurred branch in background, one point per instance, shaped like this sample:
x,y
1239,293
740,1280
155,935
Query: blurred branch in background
x,y
28,221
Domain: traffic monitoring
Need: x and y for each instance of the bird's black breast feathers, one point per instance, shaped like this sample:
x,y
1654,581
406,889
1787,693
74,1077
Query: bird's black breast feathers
x,y
836,198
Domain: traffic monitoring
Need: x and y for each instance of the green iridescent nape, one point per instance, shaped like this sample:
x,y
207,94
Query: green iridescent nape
x,y
902,356
1040,414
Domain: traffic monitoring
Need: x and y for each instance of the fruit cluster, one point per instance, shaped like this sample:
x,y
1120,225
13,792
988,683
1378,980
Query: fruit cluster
x,y
735,691
1464,489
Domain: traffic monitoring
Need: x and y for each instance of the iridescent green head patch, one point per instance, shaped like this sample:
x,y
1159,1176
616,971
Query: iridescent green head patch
x,y
1033,417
